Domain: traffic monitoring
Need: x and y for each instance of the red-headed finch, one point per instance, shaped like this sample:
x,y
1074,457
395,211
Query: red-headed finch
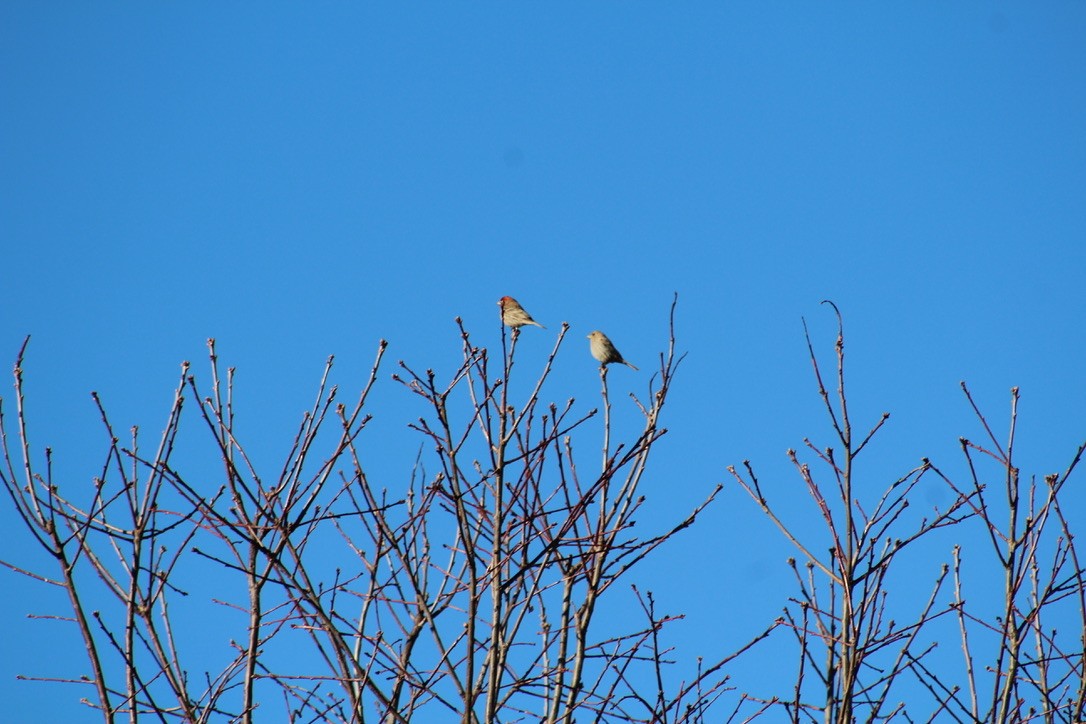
x,y
604,351
514,315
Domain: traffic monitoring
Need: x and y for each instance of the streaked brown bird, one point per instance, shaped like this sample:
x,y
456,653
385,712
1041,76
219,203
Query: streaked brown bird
x,y
604,351
514,315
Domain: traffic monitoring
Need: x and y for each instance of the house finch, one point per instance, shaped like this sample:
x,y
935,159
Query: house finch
x,y
604,351
513,315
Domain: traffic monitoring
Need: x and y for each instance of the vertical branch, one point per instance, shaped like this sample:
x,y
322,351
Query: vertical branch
x,y
606,418
497,652
1014,568
967,653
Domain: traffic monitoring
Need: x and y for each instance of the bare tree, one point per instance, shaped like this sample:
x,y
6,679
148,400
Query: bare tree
x,y
853,659
473,592
1036,672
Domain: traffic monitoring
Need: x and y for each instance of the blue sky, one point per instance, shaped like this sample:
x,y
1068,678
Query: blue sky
x,y
299,181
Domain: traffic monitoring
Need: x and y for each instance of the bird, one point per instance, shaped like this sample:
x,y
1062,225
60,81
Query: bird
x,y
514,315
604,351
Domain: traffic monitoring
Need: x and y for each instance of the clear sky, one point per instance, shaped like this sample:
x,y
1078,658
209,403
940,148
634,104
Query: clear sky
x,y
299,180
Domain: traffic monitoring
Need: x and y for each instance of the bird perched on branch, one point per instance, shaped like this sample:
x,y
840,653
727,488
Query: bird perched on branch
x,y
514,315
604,350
